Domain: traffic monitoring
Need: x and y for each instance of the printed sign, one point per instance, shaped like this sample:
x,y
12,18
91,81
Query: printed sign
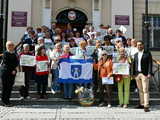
x,y
107,81
121,20
19,19
121,68
42,66
27,60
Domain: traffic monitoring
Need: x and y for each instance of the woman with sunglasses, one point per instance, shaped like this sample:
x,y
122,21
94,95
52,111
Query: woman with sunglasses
x,y
105,70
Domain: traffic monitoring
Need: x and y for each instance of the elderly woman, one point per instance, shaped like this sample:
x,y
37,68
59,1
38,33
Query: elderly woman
x,y
105,71
10,62
68,87
54,56
123,81
82,51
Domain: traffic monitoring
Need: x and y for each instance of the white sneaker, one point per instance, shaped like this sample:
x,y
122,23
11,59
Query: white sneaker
x,y
136,90
21,98
28,97
53,91
109,106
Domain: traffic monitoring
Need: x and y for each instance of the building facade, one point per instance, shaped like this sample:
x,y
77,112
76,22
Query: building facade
x,y
117,13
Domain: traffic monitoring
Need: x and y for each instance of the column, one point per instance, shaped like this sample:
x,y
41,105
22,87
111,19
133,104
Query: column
x,y
96,13
46,13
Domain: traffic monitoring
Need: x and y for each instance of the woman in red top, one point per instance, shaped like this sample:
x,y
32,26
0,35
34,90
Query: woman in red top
x,y
42,71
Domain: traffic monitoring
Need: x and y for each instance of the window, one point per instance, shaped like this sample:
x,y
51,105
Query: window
x,y
96,5
154,30
47,4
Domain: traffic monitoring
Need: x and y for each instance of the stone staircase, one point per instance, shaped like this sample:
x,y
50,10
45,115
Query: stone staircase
x,y
58,97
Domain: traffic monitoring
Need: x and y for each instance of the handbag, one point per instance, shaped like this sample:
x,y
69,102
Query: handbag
x,y
118,78
19,79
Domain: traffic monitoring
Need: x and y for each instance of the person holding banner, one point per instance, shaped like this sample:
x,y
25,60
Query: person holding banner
x,y
9,64
68,87
105,73
27,69
54,56
123,80
42,71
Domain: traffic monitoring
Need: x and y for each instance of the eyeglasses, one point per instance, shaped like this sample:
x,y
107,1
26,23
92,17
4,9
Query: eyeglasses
x,y
104,54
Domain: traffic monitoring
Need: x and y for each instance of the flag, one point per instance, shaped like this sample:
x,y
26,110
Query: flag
x,y
75,71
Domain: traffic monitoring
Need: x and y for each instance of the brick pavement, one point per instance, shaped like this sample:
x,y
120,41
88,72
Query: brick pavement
x,y
73,112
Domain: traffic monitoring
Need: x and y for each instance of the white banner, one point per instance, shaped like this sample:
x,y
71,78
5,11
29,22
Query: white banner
x,y
27,60
76,69
121,68
42,66
107,81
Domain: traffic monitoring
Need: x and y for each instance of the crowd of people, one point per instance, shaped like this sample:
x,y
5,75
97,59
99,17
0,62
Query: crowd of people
x,y
51,45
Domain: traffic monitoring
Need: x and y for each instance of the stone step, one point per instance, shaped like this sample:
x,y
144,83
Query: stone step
x,y
15,94
34,88
61,101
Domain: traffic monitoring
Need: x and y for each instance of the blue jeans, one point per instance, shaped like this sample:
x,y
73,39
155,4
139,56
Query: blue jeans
x,y
68,90
55,85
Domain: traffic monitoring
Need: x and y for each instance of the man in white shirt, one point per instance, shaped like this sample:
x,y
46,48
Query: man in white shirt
x,y
142,69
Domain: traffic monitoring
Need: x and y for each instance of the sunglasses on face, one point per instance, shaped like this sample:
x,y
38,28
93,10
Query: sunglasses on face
x,y
104,54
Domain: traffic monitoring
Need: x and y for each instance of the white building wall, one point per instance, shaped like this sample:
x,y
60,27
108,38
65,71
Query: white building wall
x,y
46,17
123,7
96,13
15,33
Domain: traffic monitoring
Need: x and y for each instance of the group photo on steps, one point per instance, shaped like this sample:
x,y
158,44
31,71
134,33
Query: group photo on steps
x,y
93,66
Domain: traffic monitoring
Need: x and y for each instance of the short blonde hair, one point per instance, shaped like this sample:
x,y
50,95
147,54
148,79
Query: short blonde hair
x,y
58,44
65,46
83,42
25,45
122,49
9,43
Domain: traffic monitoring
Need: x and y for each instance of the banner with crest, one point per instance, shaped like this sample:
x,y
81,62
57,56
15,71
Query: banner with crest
x,y
75,71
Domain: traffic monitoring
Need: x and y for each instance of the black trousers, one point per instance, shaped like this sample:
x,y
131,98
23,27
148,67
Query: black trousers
x,y
7,85
105,93
27,78
42,83
95,82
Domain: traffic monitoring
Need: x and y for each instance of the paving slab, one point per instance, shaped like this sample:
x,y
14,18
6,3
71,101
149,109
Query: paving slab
x,y
75,112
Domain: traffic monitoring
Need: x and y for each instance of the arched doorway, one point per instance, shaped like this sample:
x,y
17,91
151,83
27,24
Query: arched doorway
x,y
75,17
